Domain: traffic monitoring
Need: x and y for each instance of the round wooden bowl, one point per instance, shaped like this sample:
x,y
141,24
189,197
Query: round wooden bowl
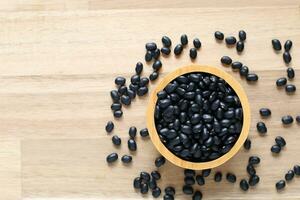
x,y
166,152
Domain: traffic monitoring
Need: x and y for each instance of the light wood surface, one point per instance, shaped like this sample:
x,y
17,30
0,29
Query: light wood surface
x,y
59,58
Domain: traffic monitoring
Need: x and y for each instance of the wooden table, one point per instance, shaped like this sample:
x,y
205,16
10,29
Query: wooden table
x,y
59,59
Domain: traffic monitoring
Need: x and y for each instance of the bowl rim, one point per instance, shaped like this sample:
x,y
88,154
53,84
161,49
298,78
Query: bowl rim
x,y
164,151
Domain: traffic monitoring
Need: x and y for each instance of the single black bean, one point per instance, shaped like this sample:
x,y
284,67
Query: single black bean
x,y
189,172
109,127
189,180
218,177
184,39
247,144
261,127
156,54
253,180
148,56
251,170
145,177
120,81
165,50
244,185
178,49
168,197
118,113
144,132
125,100
153,76
289,175
231,177
288,45
219,35
170,190
290,88
298,119
144,81
297,170
115,96
157,65
139,68
265,112
126,159
187,190
230,40
287,57
240,46
144,188
206,172
288,119
281,81
116,106
137,183
142,91
193,53
244,70
290,73
236,65
155,175
112,158
166,41
132,131
160,161
276,45
122,90
197,195
133,87
131,94
275,149
156,192
152,184
116,140
252,77
226,60
242,35
197,43
254,160
200,180
132,145
150,46
280,185
280,141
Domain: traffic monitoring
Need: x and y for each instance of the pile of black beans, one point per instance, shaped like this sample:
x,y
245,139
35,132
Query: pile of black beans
x,y
198,117
289,176
231,40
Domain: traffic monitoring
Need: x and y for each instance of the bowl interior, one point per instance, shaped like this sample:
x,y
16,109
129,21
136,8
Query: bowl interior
x,y
165,151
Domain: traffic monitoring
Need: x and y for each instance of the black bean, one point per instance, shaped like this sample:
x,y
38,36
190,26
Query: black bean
x,y
148,56
122,90
298,119
226,60
288,119
132,131
197,43
240,46
156,175
200,180
116,106
281,81
112,158
253,180
242,35
157,65
150,46
230,40
137,183
116,140
193,53
252,77
156,192
131,94
206,172
133,87
178,49
261,127
135,79
189,172
290,73
118,113
251,170
244,185
144,188
165,50
159,161
120,81
115,96
152,184
170,190
166,41
247,144
109,127
184,39
126,159
144,81
265,112
142,91
197,195
187,190
280,141
231,177
288,45
254,160
276,45
236,65
287,57
275,149
218,177
153,76
290,88
189,180
145,177
125,100
156,54
219,35
132,145
289,175
138,68
280,185
244,71
144,132
168,197
297,170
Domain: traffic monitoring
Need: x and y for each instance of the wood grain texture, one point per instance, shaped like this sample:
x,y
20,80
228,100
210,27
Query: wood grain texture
x,y
58,62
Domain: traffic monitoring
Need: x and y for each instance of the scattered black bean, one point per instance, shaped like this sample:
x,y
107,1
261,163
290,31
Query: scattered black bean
x,y
156,192
168,197
112,158
132,145
139,68
231,177
144,188
115,96
170,190
166,41
152,184
145,176
289,175
189,180
240,46
265,112
197,43
120,81
242,35
116,140
135,79
290,88
290,73
187,189
156,54
206,172
253,180
126,159
218,177
178,49
137,183
197,195
200,180
276,45
165,50
244,185
157,65
132,131
151,46
280,141
288,119
281,81
160,161
236,65
297,170
251,170
244,71
252,77
144,81
226,60
142,91
219,35
133,87
287,57
275,149
184,40
144,132
254,160
153,76
230,40
148,56
125,100
116,106
109,126
193,53
122,90
189,172
118,113
280,185
288,45
261,127
155,175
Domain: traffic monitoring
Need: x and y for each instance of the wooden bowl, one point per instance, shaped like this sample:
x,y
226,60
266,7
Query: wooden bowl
x,y
166,152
